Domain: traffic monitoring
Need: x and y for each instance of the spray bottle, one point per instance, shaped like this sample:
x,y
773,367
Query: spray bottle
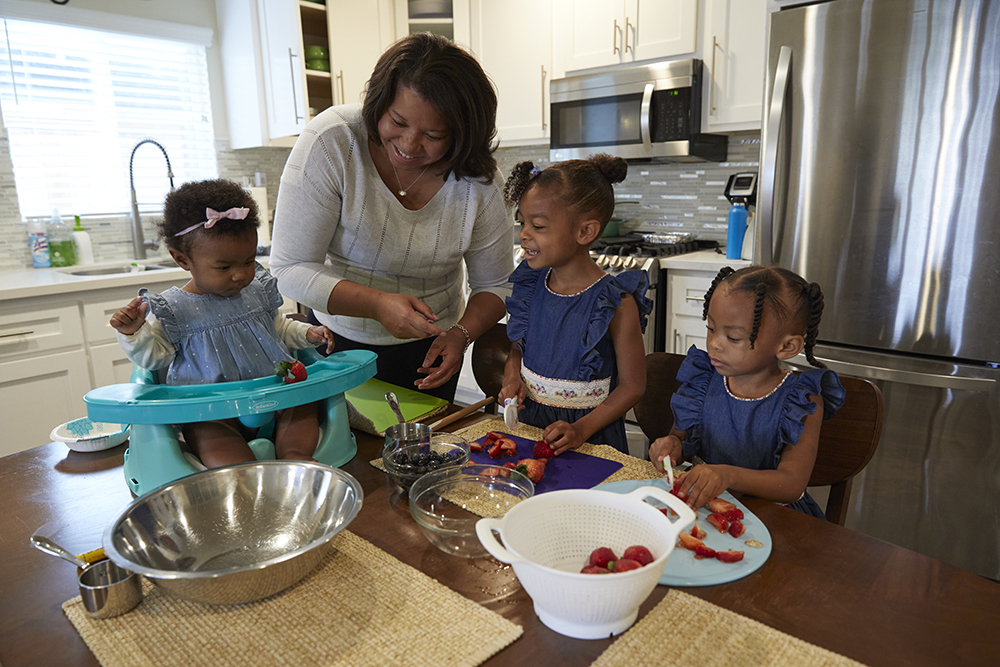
x,y
38,241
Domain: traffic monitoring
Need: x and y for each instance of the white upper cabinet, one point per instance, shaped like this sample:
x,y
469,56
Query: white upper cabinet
x,y
448,18
359,33
613,32
513,42
734,55
284,69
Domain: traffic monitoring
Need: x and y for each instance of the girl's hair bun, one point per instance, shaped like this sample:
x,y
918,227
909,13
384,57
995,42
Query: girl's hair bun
x,y
615,169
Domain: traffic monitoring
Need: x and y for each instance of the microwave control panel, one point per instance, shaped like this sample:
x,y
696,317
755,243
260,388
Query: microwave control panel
x,y
670,119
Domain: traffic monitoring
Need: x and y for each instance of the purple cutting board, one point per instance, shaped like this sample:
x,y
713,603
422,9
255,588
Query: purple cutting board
x,y
569,470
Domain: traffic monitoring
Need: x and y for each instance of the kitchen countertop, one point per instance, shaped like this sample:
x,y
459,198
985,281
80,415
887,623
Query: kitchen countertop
x,y
702,260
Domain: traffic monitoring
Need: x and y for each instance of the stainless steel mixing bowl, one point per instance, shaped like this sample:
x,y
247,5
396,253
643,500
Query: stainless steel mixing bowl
x,y
235,534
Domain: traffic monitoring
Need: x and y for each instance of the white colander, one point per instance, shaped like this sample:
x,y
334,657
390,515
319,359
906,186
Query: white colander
x,y
549,538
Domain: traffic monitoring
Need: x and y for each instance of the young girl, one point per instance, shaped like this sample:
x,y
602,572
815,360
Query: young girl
x,y
755,424
223,325
577,362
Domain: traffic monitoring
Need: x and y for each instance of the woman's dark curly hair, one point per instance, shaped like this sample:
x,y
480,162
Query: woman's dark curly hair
x,y
584,185
450,80
186,206
784,293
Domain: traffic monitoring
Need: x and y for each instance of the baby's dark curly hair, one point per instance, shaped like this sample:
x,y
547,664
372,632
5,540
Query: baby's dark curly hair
x,y
186,206
584,185
781,292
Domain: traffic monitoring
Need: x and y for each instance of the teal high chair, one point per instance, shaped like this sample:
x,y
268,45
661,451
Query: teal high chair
x,y
155,456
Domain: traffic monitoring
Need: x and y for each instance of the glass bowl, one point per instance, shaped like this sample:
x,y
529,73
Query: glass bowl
x,y
407,461
446,504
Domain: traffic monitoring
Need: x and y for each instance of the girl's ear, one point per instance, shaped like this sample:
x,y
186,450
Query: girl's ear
x,y
791,346
588,231
182,260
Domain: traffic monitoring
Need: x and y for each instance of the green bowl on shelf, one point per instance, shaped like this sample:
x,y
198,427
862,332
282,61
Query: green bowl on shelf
x,y
318,65
314,52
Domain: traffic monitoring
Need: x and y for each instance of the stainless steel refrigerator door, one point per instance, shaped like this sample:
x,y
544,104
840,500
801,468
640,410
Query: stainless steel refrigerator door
x,y
933,485
879,169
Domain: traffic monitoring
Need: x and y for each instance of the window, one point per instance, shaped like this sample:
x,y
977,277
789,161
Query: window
x,y
75,101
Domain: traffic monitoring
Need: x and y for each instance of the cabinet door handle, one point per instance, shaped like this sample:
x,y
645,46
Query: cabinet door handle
x,y
694,298
614,40
627,28
341,78
677,340
544,124
11,334
711,83
295,98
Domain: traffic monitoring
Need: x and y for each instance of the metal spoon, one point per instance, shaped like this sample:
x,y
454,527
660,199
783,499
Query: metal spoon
x,y
390,398
50,547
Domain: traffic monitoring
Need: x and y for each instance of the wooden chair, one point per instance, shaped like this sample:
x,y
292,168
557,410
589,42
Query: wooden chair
x,y
847,442
489,356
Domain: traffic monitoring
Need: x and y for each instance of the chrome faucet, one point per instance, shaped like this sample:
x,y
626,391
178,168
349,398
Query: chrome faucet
x,y
138,243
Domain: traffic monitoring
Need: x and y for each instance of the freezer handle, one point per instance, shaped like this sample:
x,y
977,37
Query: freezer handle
x,y
769,164
900,376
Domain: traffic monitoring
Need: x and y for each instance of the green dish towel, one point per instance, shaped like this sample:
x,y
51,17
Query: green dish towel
x,y
368,411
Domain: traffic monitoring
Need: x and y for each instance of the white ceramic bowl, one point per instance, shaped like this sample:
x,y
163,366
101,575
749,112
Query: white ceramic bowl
x,y
84,435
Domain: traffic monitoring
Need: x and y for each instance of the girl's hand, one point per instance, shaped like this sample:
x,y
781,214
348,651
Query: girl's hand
x,y
513,388
318,335
450,347
702,483
130,319
563,436
664,448
406,316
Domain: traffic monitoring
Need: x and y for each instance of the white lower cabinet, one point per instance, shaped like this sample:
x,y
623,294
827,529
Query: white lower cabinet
x,y
685,305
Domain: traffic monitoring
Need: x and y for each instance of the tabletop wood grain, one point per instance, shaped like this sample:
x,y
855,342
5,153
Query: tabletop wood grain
x,y
852,594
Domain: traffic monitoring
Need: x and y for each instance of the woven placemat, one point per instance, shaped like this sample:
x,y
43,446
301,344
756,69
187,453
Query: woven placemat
x,y
360,607
685,630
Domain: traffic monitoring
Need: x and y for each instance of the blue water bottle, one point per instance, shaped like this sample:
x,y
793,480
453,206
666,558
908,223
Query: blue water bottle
x,y
737,228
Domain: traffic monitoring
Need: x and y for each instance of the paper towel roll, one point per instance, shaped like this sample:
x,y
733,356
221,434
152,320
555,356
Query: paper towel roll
x,y
264,231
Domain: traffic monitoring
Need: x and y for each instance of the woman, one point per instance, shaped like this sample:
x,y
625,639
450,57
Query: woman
x,y
379,205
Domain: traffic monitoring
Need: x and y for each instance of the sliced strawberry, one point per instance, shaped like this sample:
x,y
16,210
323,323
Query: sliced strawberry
x,y
595,569
625,564
689,541
735,514
476,446
736,528
701,551
720,522
676,490
721,506
495,471
542,450
698,531
496,451
508,444
667,512
640,554
730,556
510,465
601,556
493,435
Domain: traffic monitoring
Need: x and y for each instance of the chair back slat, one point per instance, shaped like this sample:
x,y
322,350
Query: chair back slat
x,y
489,356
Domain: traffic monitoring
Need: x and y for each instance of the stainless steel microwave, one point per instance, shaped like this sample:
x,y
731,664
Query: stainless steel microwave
x,y
643,113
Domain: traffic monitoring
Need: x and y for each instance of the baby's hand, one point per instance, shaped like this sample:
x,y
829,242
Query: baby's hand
x,y
563,436
701,483
321,334
129,319
664,448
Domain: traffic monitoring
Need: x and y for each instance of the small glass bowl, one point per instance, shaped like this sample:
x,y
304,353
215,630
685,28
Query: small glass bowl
x,y
446,504
406,462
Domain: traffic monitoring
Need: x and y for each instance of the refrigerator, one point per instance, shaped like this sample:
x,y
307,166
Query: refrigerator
x,y
880,180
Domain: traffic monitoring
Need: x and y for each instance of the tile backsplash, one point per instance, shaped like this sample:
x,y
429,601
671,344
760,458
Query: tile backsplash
x,y
671,197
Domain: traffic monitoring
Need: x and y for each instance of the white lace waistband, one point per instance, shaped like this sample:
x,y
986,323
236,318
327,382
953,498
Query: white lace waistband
x,y
572,394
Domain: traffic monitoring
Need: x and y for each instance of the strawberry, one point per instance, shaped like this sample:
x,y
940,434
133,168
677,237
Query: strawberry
x,y
533,469
290,371
721,506
595,569
625,564
698,531
491,436
701,551
510,465
476,446
496,471
542,450
667,512
730,556
689,541
736,528
720,522
676,490
640,554
496,451
601,556
735,514
507,444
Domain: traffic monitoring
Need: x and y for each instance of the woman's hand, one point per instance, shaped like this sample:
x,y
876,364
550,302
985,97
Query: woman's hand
x,y
319,335
450,347
702,483
563,436
406,316
130,318
664,448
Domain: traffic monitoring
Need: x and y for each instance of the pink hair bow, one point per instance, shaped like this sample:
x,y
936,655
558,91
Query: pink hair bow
x,y
214,216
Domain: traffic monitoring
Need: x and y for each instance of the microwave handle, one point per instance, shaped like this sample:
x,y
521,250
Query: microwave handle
x,y
647,98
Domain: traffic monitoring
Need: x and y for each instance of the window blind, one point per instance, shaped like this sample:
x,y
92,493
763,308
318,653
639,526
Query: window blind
x,y
76,101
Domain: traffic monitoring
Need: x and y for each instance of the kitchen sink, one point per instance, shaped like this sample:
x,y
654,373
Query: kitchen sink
x,y
117,269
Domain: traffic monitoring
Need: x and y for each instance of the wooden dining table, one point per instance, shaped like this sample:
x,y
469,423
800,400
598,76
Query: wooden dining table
x,y
839,589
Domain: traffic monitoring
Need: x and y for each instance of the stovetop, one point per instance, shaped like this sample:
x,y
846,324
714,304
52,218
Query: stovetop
x,y
638,248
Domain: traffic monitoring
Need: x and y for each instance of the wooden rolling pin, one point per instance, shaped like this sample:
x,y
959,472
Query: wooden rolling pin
x,y
461,413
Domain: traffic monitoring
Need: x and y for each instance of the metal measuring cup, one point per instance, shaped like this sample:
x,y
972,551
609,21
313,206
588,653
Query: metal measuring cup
x,y
108,590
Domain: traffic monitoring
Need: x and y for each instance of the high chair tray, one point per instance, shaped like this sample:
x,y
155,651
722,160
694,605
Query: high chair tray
x,y
683,569
133,403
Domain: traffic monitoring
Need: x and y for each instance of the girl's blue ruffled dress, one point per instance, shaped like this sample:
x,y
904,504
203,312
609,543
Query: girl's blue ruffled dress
x,y
565,340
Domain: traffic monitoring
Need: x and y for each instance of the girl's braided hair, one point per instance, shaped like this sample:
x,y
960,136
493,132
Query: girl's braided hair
x,y
784,293
186,206
584,185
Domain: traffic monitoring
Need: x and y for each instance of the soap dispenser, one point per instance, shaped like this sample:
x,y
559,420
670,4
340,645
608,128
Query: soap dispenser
x,y
61,249
84,248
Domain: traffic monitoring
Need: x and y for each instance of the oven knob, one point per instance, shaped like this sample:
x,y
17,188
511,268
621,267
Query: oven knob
x,y
602,261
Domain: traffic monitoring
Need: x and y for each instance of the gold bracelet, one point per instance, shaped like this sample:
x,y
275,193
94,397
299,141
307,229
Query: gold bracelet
x,y
468,338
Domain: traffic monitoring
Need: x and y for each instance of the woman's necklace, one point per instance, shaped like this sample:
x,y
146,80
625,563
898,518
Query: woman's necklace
x,y
402,190
725,382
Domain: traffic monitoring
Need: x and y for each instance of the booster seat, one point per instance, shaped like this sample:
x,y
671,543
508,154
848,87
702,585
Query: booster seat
x,y
155,456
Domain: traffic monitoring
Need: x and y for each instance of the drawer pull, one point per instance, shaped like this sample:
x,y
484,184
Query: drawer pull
x,y
694,298
16,333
